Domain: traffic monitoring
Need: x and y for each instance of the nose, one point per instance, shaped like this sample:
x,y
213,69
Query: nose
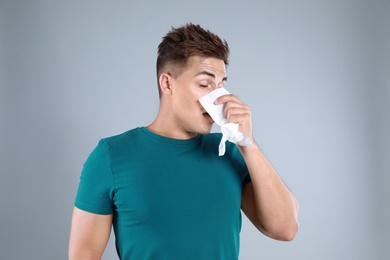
x,y
214,87
220,85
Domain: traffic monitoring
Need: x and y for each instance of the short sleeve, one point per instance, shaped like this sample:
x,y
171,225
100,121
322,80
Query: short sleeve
x,y
96,187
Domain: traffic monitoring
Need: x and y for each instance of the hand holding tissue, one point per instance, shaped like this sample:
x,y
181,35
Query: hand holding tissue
x,y
229,130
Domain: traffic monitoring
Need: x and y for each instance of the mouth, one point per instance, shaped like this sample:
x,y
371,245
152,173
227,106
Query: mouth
x,y
208,117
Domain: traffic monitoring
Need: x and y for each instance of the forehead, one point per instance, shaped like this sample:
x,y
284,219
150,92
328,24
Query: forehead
x,y
197,64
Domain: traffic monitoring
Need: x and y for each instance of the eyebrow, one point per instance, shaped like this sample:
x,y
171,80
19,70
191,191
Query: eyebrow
x,y
210,75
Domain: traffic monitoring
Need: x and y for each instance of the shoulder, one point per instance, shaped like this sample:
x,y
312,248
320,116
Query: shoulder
x,y
121,136
121,139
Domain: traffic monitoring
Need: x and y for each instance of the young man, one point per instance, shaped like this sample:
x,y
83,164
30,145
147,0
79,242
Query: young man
x,y
164,188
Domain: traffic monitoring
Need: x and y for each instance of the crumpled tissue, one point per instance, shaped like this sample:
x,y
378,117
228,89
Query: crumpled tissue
x,y
229,130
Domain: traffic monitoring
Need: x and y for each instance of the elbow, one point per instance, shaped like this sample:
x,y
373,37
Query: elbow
x,y
286,232
289,232
291,229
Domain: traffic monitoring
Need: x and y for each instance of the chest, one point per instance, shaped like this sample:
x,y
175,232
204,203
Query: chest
x,y
176,189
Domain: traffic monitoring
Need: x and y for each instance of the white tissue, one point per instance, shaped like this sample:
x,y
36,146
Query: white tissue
x,y
229,130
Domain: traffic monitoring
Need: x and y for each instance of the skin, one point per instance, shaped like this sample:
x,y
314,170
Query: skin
x,y
266,200
89,235
181,116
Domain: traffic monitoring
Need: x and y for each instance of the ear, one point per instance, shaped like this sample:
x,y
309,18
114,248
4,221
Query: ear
x,y
165,83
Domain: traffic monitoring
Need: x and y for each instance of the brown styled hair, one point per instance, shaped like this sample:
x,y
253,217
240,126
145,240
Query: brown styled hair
x,y
181,43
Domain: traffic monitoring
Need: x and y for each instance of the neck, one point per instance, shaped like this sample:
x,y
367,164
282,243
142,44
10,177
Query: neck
x,y
165,125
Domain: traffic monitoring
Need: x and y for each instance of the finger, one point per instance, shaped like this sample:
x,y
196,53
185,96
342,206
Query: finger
x,y
238,114
226,98
241,119
235,107
235,103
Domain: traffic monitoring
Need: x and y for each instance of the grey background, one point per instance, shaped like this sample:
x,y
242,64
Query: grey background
x,y
315,73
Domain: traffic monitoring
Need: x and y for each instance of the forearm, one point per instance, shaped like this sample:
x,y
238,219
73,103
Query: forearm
x,y
275,205
268,202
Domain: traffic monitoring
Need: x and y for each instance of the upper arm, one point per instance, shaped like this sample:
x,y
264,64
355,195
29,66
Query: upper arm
x,y
249,208
89,234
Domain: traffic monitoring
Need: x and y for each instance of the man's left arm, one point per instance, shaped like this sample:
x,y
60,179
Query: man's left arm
x,y
266,200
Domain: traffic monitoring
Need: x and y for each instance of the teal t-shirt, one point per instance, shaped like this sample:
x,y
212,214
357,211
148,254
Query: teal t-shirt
x,y
171,199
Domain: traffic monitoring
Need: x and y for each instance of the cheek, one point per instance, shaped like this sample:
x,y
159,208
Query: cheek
x,y
188,99
201,92
191,100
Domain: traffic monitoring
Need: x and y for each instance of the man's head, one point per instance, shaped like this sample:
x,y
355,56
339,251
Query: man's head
x,y
180,44
191,63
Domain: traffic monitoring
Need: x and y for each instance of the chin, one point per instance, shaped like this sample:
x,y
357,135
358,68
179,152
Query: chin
x,y
205,130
